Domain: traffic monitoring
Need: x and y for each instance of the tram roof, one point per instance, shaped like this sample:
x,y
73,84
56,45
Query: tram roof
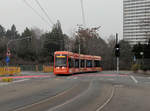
x,y
63,52
76,55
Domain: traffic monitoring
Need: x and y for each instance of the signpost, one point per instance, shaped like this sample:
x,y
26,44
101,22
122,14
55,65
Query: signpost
x,y
7,60
134,58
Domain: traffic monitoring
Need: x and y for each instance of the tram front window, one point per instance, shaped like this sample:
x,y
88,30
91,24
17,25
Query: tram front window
x,y
60,61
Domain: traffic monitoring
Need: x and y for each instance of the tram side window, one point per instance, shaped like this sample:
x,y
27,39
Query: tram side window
x,y
70,62
89,63
82,63
76,63
97,63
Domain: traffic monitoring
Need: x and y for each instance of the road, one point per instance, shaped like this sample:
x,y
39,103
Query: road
x,y
103,91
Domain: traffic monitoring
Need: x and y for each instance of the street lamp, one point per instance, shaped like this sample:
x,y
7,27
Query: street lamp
x,y
142,54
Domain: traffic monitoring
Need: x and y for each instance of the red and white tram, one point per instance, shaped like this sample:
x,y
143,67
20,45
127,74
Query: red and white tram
x,y
69,63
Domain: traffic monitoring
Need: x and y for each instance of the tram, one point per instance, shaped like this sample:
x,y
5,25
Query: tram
x,y
69,63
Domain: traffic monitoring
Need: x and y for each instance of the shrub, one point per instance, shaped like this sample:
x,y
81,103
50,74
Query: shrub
x,y
145,68
7,79
135,67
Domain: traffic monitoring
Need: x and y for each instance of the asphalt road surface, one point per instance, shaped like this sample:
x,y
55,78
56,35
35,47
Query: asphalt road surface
x,y
103,91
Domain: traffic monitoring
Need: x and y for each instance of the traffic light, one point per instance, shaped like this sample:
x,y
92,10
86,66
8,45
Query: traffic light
x,y
117,50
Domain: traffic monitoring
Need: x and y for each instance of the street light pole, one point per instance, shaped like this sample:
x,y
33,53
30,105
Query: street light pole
x,y
142,54
79,51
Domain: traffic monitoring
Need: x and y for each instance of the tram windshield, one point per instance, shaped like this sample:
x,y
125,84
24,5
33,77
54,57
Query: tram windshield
x,y
61,61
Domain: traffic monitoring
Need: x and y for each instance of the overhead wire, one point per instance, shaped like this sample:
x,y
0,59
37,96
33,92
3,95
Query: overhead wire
x,y
83,13
38,3
28,4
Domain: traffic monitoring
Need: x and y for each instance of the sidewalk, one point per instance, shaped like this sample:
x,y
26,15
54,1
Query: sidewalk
x,y
141,73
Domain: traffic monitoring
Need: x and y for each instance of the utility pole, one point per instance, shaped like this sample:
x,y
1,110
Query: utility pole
x,y
79,51
117,52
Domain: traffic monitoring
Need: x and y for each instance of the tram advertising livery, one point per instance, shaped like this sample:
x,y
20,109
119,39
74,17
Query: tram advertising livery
x,y
69,63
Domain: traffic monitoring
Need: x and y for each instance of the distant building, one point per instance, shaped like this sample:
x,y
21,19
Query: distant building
x,y
136,21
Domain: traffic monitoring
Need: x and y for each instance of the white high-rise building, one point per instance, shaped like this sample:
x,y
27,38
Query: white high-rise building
x,y
136,21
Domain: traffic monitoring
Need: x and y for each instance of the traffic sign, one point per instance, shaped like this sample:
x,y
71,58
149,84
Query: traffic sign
x,y
8,52
134,58
7,59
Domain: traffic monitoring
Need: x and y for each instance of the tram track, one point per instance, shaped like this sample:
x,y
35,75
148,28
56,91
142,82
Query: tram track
x,y
47,103
101,97
72,99
70,96
100,108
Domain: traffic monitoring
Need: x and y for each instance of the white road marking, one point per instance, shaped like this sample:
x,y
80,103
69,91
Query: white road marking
x,y
134,79
101,78
109,99
146,82
2,84
72,77
7,83
20,80
75,78
110,79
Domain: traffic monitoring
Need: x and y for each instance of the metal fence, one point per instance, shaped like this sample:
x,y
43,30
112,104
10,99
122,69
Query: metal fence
x,y
43,68
10,71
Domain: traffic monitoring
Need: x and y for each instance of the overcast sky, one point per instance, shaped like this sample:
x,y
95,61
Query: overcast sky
x,y
104,13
